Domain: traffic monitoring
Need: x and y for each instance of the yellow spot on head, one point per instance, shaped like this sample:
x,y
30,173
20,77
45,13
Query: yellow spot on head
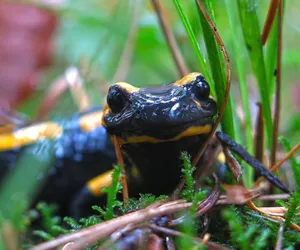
x,y
123,85
187,79
91,121
128,87
99,182
29,135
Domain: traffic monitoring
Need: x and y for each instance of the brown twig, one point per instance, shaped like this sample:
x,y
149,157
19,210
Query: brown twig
x,y
124,175
51,98
203,207
232,163
270,197
228,79
226,97
88,236
277,218
208,204
278,164
177,56
279,240
10,236
273,197
278,84
72,81
76,87
269,20
259,135
91,234
172,232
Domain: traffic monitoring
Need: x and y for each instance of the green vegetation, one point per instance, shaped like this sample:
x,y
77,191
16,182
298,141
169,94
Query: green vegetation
x,y
93,35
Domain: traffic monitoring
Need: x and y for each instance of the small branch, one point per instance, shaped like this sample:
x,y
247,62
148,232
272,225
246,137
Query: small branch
x,y
279,240
88,236
257,165
259,136
177,56
91,234
278,164
76,86
232,163
124,175
277,218
272,197
228,79
226,97
269,20
208,204
52,97
172,232
278,84
203,207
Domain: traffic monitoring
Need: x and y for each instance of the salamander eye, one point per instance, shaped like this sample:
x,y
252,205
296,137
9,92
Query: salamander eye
x,y
201,88
117,99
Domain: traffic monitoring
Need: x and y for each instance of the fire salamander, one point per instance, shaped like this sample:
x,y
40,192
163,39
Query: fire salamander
x,y
153,126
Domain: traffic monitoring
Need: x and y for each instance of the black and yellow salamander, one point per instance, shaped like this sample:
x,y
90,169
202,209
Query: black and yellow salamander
x,y
153,126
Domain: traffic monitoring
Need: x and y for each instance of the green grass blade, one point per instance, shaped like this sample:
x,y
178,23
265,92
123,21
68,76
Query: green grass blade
x,y
217,66
251,31
22,183
195,45
241,72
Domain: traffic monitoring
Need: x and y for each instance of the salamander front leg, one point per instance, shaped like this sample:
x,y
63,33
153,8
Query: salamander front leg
x,y
258,166
91,194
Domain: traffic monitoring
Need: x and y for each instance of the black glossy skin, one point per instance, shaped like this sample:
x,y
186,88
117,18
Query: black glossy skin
x,y
78,157
160,113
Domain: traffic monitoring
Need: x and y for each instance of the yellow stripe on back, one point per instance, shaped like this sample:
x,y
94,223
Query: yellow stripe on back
x,y
29,135
96,184
193,130
91,121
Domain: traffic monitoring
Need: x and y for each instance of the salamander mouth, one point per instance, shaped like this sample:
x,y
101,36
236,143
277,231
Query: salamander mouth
x,y
163,133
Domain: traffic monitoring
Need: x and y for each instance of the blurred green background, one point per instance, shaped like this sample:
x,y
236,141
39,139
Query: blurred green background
x,y
93,35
